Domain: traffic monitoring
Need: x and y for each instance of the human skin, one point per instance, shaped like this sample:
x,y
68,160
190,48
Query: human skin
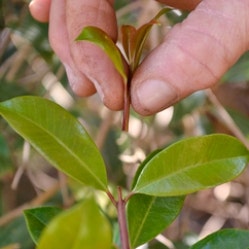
x,y
193,55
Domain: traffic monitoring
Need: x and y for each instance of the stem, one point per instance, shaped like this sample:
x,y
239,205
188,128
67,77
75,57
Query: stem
x,y
114,202
129,196
127,103
39,200
225,117
122,221
120,205
126,111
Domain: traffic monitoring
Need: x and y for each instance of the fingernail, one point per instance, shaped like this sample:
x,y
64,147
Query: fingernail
x,y
32,2
155,95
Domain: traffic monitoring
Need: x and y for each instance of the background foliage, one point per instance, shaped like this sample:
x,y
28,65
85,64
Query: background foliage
x,y
29,67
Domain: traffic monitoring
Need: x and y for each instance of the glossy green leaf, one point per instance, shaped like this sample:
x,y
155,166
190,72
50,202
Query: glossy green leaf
x,y
100,38
58,136
149,215
83,226
15,233
193,164
38,218
225,239
142,165
116,235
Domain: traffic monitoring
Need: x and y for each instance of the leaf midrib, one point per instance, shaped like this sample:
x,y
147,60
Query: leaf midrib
x,y
145,217
57,140
184,169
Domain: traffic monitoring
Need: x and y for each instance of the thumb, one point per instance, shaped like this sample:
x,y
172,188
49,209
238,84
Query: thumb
x,y
193,56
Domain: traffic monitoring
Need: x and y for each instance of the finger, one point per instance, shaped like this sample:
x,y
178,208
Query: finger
x,y
194,55
89,58
39,9
59,41
181,4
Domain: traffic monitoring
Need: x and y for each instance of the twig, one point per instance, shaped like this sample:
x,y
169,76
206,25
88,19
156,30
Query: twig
x,y
67,201
104,129
129,8
4,40
12,246
162,239
42,198
226,118
21,169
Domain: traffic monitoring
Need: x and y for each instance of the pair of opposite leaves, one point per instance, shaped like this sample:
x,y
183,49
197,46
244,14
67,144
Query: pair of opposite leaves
x,y
133,41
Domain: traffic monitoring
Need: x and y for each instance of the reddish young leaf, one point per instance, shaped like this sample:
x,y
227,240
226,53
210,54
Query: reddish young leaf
x,y
128,40
134,40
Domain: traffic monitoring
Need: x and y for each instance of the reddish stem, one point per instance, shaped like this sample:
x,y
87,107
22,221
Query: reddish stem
x,y
122,221
126,111
127,104
120,206
111,197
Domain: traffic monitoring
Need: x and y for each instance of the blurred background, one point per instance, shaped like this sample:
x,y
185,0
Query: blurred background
x,y
28,66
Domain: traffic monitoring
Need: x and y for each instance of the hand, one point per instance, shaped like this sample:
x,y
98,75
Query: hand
x,y
193,55
88,67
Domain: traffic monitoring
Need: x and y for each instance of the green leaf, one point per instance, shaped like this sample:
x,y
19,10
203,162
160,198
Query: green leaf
x,y
15,233
58,136
38,218
149,215
142,165
100,38
83,226
225,239
193,164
